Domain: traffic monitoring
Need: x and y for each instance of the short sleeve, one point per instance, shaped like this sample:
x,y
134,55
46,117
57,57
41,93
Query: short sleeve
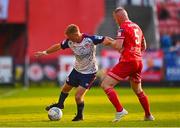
x,y
64,44
120,34
97,39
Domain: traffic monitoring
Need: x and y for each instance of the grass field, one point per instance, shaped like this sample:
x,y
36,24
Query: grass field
x,y
22,107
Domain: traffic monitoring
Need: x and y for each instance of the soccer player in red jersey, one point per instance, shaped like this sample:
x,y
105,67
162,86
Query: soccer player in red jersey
x,y
131,43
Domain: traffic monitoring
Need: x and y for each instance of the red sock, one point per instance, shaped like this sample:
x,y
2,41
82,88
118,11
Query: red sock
x,y
144,102
112,95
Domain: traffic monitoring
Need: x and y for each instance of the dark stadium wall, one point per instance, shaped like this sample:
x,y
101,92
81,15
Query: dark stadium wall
x,y
13,31
12,41
48,19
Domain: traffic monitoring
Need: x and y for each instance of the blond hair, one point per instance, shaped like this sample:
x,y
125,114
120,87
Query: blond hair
x,y
71,29
121,12
119,9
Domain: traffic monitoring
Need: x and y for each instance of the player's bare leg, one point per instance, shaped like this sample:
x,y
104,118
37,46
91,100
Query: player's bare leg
x,y
64,93
143,99
79,97
107,84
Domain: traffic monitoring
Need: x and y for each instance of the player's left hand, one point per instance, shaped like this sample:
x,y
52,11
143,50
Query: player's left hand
x,y
40,53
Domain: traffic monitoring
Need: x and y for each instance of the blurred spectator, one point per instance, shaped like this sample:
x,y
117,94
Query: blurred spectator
x,y
135,2
168,1
176,36
152,65
178,14
176,1
163,12
176,48
166,41
0,8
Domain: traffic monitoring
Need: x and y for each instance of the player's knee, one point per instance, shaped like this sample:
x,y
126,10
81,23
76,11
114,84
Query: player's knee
x,y
108,82
103,85
137,89
65,90
78,97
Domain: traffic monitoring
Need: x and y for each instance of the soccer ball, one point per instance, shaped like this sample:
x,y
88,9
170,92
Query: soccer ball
x,y
55,114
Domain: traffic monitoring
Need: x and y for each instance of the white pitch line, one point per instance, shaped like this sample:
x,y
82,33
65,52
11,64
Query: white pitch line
x,y
9,93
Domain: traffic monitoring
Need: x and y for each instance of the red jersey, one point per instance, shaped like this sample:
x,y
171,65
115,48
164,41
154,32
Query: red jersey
x,y
133,38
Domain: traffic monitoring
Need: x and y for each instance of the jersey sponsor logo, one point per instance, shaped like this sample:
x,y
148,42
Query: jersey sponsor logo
x,y
87,45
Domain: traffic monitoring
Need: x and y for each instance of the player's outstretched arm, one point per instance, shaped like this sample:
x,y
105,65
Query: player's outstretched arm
x,y
108,41
50,50
116,44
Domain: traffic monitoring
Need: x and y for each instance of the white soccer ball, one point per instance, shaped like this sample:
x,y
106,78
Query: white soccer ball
x,y
55,114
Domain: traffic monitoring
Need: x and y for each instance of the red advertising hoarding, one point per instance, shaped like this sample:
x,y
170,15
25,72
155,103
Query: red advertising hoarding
x,y
152,63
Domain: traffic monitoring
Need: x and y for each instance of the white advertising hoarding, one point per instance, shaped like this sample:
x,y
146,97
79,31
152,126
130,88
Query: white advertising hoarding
x,y
6,70
66,65
4,9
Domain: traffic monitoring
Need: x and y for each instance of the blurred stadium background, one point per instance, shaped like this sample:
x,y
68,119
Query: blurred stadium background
x,y
27,26
32,25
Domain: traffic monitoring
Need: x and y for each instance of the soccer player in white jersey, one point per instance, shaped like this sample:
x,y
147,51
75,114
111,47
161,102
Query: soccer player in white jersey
x,y
85,67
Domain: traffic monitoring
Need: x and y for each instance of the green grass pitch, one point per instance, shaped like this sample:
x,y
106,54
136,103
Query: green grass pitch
x,y
25,108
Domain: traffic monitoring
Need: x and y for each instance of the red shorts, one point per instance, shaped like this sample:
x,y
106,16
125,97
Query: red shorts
x,y
130,69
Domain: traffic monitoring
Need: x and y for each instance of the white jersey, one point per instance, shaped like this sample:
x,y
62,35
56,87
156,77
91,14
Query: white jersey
x,y
84,52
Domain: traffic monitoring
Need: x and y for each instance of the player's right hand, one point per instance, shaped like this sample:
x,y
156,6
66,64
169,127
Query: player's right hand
x,y
40,53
